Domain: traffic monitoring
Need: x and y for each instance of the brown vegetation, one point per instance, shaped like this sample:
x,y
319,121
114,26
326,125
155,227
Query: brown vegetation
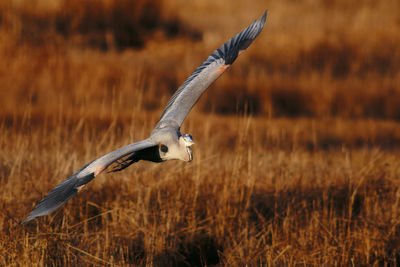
x,y
296,159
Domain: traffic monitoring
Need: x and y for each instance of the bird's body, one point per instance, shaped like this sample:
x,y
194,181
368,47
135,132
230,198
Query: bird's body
x,y
166,141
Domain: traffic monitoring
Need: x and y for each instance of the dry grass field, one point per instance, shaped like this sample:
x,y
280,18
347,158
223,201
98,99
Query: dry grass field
x,y
297,151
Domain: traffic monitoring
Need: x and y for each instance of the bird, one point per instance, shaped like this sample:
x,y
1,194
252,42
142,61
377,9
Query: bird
x,y
166,141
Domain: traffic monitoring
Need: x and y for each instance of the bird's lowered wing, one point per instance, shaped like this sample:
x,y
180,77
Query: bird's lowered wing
x,y
189,92
67,189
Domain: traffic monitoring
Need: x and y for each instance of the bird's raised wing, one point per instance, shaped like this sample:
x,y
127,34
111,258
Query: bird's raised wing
x,y
189,92
67,189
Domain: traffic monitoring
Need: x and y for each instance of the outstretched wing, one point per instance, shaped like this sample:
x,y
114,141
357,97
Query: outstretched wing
x,y
67,189
189,92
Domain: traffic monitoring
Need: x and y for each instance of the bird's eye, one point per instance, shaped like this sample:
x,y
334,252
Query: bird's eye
x,y
164,148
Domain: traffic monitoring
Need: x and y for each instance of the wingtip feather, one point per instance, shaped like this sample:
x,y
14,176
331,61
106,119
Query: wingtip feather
x,y
55,199
58,196
264,17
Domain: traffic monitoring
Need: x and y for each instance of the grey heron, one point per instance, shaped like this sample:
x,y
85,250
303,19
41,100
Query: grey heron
x,y
166,141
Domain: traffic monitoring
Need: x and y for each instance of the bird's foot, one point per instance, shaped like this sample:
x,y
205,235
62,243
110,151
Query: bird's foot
x,y
122,164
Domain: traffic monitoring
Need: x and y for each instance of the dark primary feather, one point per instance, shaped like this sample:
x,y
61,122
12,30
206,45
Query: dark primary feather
x,y
59,196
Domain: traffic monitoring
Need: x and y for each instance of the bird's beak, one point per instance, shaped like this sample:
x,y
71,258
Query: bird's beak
x,y
190,152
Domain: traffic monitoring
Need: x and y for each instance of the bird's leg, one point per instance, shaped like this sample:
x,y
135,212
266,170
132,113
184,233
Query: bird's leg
x,y
125,163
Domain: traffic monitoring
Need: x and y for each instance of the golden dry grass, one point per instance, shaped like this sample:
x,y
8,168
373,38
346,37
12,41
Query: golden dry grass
x,y
297,145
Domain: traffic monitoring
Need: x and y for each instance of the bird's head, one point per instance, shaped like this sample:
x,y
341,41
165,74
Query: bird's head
x,y
171,147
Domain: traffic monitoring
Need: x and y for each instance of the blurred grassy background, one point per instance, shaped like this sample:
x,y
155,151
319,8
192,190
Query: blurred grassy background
x,y
296,159
316,58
